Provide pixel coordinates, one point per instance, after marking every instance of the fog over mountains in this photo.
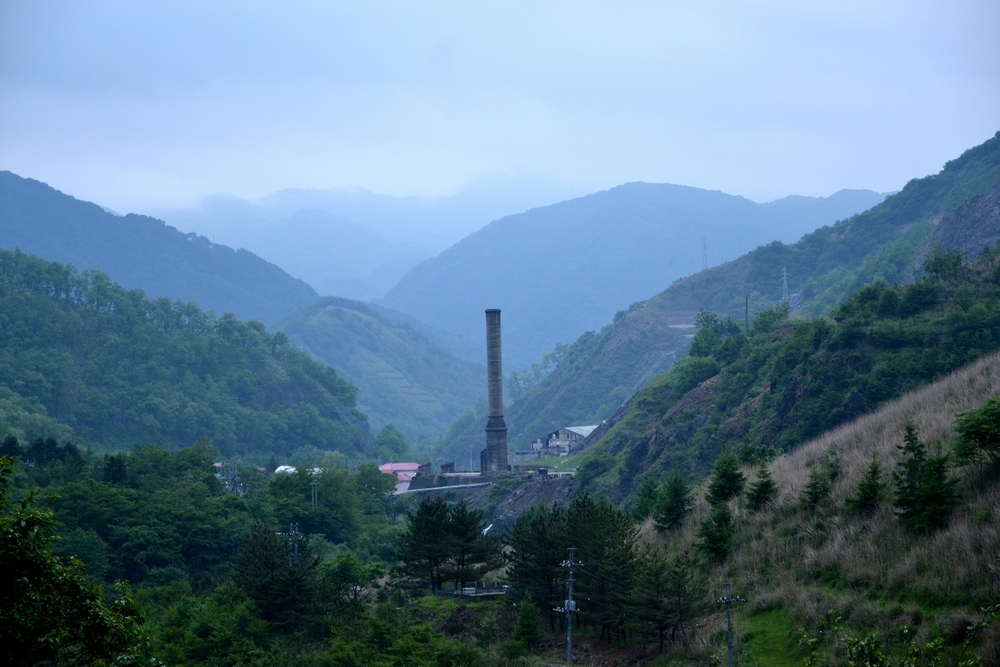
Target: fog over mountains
(142, 252)
(350, 242)
(557, 271)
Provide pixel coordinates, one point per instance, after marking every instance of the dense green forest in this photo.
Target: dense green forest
(765, 390)
(83, 358)
(402, 377)
(140, 252)
(235, 567)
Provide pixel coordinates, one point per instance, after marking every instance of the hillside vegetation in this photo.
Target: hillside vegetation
(82, 357)
(557, 271)
(768, 389)
(956, 208)
(583, 383)
(402, 378)
(803, 556)
(140, 252)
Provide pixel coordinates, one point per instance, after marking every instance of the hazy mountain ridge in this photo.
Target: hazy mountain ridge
(379, 237)
(402, 377)
(887, 242)
(144, 253)
(559, 270)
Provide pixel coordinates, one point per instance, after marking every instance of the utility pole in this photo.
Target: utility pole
(704, 253)
(746, 313)
(784, 284)
(312, 487)
(293, 542)
(570, 606)
(728, 600)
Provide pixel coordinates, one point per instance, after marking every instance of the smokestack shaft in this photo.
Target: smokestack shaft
(494, 363)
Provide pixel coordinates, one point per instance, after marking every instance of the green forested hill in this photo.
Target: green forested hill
(80, 352)
(588, 382)
(402, 378)
(139, 252)
(956, 208)
(557, 271)
(769, 389)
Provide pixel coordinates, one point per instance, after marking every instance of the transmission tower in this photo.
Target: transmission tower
(728, 600)
(704, 253)
(784, 284)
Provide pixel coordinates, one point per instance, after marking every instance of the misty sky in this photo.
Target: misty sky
(137, 105)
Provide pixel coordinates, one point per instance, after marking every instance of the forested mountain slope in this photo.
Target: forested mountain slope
(579, 384)
(80, 352)
(402, 378)
(957, 208)
(769, 389)
(144, 253)
(560, 270)
(960, 210)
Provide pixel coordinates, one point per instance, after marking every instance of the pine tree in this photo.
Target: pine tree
(727, 478)
(762, 491)
(425, 544)
(471, 554)
(924, 493)
(673, 505)
(648, 495)
(716, 533)
(871, 489)
(817, 489)
(283, 591)
(527, 631)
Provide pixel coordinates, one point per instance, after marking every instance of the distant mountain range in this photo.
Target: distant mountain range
(141, 252)
(958, 208)
(560, 270)
(955, 208)
(349, 242)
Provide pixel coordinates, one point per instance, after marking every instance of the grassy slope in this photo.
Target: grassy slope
(793, 565)
(402, 378)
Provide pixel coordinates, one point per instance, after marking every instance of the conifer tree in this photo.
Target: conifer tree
(925, 493)
(716, 533)
(673, 505)
(527, 631)
(871, 489)
(282, 590)
(817, 489)
(762, 491)
(645, 504)
(727, 479)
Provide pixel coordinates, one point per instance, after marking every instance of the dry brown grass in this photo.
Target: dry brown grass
(877, 575)
(780, 551)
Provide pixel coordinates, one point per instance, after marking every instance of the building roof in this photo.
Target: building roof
(583, 431)
(390, 468)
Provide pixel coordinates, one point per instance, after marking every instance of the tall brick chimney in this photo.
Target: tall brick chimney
(493, 459)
